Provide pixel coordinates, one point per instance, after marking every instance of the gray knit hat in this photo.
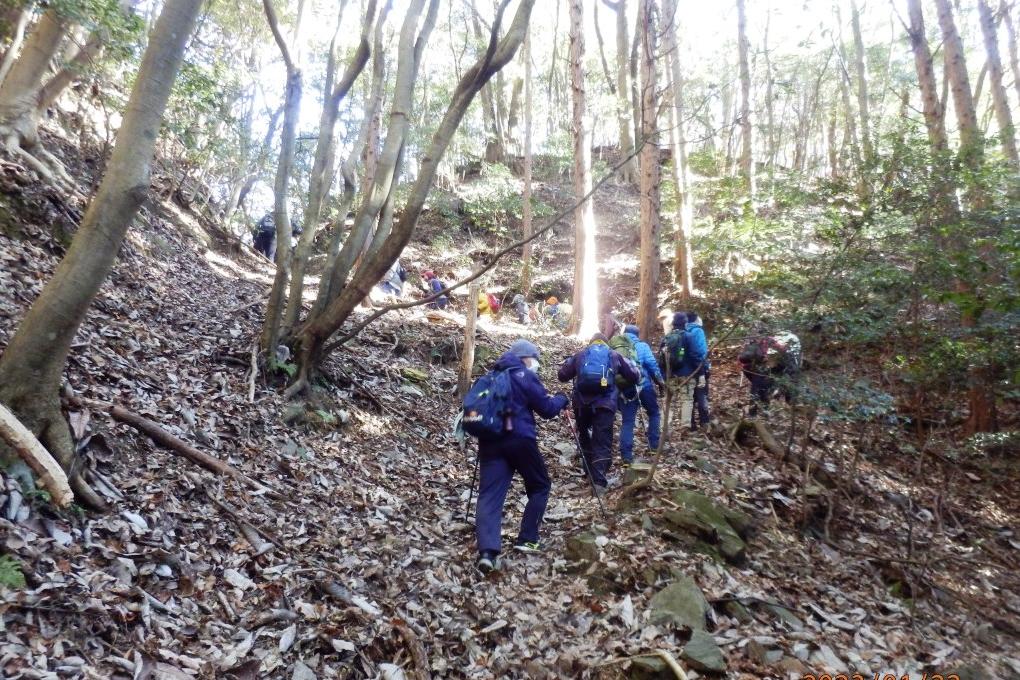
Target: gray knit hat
(524, 349)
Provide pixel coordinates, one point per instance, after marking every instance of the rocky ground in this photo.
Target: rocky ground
(354, 559)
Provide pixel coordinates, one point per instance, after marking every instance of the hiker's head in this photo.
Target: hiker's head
(633, 330)
(552, 300)
(428, 275)
(692, 317)
(527, 352)
(518, 299)
(679, 320)
(599, 337)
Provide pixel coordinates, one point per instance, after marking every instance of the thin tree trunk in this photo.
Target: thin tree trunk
(682, 260)
(20, 25)
(291, 110)
(628, 174)
(1014, 59)
(959, 80)
(862, 84)
(1007, 134)
(746, 152)
(526, 255)
(584, 319)
(32, 364)
(647, 316)
(770, 108)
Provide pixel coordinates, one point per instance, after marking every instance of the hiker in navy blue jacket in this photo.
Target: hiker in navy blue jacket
(646, 398)
(515, 451)
(595, 410)
(699, 347)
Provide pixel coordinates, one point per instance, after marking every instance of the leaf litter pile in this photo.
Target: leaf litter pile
(350, 556)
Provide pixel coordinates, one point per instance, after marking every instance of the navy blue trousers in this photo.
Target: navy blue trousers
(595, 430)
(628, 410)
(700, 412)
(498, 461)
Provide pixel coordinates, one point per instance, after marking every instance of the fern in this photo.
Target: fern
(10, 573)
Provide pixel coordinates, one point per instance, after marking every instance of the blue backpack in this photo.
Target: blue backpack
(596, 375)
(487, 405)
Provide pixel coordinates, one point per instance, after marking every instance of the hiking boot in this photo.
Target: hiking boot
(488, 562)
(529, 547)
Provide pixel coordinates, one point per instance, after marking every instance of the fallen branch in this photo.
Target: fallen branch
(249, 531)
(674, 666)
(28, 448)
(766, 437)
(174, 444)
(254, 372)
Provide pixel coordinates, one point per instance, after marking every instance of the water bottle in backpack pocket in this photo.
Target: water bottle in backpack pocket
(673, 348)
(596, 374)
(486, 406)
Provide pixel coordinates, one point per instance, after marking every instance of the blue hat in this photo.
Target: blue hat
(524, 349)
(631, 328)
(679, 320)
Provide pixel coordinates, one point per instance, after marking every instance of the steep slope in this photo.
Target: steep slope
(357, 561)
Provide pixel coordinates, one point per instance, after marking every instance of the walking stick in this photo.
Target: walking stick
(471, 493)
(584, 463)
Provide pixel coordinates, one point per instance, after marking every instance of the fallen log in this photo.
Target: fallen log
(29, 449)
(768, 440)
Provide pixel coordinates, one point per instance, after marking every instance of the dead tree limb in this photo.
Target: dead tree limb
(28, 448)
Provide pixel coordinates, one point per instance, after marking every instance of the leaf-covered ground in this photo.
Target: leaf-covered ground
(357, 562)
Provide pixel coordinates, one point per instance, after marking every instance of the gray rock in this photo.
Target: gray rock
(681, 603)
(703, 654)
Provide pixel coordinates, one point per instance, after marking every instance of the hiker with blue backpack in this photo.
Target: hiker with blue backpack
(499, 410)
(594, 370)
(684, 351)
(644, 397)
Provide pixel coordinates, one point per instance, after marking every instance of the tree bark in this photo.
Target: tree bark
(628, 175)
(31, 366)
(1014, 58)
(322, 166)
(584, 318)
(19, 25)
(500, 51)
(682, 261)
(959, 80)
(860, 62)
(527, 217)
(281, 214)
(647, 316)
(746, 151)
(467, 359)
(1007, 134)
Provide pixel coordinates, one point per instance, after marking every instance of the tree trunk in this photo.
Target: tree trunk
(500, 52)
(281, 215)
(31, 366)
(1014, 58)
(682, 261)
(862, 84)
(584, 319)
(746, 154)
(648, 307)
(18, 26)
(628, 173)
(963, 99)
(1003, 117)
(467, 357)
(526, 255)
(322, 166)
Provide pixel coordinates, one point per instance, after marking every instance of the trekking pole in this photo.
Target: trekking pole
(584, 464)
(471, 493)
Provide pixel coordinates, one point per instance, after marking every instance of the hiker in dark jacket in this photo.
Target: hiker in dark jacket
(515, 451)
(769, 361)
(699, 345)
(645, 398)
(595, 410)
(265, 235)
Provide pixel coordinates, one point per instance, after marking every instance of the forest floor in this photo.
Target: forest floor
(357, 560)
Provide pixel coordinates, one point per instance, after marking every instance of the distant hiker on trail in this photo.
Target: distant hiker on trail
(552, 308)
(265, 235)
(393, 281)
(683, 354)
(521, 309)
(697, 338)
(499, 409)
(488, 303)
(769, 361)
(594, 370)
(435, 285)
(645, 398)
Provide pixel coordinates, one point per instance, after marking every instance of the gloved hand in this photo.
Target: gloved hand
(564, 401)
